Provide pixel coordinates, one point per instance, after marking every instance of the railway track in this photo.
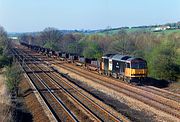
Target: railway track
(61, 96)
(52, 102)
(57, 84)
(167, 105)
(103, 114)
(151, 89)
(154, 90)
(161, 92)
(68, 100)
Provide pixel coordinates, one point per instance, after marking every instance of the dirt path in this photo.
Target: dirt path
(4, 100)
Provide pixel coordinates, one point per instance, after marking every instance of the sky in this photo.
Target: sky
(35, 15)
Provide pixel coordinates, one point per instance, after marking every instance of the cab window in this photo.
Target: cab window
(138, 65)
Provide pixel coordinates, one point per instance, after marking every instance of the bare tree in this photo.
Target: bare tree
(3, 36)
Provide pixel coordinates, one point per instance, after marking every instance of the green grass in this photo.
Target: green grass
(167, 32)
(131, 30)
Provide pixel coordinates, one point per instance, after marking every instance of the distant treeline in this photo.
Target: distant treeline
(172, 25)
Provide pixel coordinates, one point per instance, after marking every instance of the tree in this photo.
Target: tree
(122, 35)
(73, 48)
(3, 37)
(51, 36)
(25, 38)
(13, 77)
(51, 45)
(122, 46)
(4, 45)
(66, 41)
(5, 61)
(161, 61)
(92, 50)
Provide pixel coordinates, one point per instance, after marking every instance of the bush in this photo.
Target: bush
(1, 51)
(51, 45)
(5, 61)
(92, 50)
(161, 62)
(13, 77)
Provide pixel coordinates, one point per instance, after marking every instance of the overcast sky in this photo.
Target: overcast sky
(35, 15)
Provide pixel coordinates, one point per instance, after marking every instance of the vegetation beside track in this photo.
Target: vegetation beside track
(13, 77)
(12, 105)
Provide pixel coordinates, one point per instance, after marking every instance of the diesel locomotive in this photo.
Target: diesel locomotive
(124, 67)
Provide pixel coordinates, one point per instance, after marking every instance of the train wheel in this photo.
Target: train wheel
(99, 72)
(128, 80)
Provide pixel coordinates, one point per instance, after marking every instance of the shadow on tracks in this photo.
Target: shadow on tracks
(22, 115)
(156, 83)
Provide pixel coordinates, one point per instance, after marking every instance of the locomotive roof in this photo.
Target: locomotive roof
(108, 56)
(119, 57)
(134, 58)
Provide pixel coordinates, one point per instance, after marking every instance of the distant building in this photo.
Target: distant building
(13, 38)
(161, 28)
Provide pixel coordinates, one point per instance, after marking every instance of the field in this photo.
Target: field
(132, 30)
(167, 32)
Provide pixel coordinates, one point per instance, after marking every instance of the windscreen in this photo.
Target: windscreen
(138, 65)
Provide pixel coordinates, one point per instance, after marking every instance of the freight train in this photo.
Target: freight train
(127, 68)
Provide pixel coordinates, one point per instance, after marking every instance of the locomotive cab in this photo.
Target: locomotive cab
(136, 69)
